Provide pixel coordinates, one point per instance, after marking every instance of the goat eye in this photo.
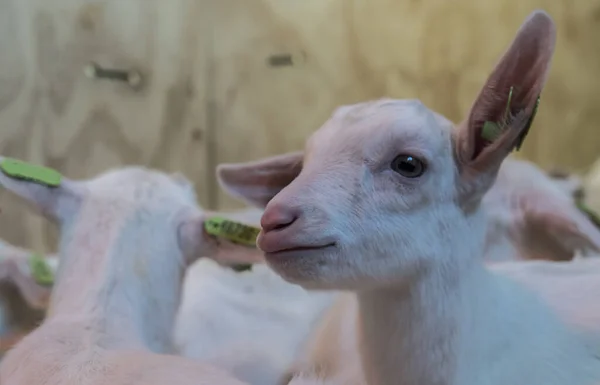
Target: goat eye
(408, 166)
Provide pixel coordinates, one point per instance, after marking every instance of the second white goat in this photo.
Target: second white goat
(126, 239)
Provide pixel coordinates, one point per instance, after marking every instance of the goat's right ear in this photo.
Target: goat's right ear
(504, 109)
(45, 189)
(257, 182)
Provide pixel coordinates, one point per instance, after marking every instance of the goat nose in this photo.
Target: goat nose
(278, 218)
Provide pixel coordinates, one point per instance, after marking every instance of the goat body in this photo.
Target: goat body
(126, 238)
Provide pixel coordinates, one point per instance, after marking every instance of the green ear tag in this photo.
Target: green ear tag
(241, 268)
(490, 131)
(233, 231)
(41, 272)
(15, 168)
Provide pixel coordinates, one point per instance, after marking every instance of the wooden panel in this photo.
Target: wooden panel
(50, 113)
(437, 51)
(263, 109)
(212, 95)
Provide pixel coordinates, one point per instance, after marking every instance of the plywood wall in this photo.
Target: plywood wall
(50, 113)
(210, 95)
(352, 50)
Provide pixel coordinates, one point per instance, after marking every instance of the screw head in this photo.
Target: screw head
(90, 71)
(134, 78)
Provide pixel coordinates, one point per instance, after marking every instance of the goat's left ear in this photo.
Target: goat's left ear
(45, 189)
(563, 226)
(196, 242)
(257, 182)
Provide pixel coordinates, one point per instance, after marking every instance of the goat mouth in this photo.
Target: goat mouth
(303, 248)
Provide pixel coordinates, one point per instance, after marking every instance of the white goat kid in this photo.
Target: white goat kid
(241, 313)
(530, 216)
(251, 323)
(225, 318)
(126, 238)
(385, 202)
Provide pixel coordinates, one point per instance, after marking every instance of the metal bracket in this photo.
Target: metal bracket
(132, 77)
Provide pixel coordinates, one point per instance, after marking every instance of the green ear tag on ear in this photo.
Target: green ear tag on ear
(490, 131)
(241, 268)
(15, 168)
(40, 270)
(233, 231)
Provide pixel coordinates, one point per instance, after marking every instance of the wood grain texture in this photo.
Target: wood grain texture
(51, 114)
(438, 51)
(211, 96)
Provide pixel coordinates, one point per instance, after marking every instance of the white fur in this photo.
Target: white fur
(228, 318)
(126, 238)
(570, 288)
(251, 323)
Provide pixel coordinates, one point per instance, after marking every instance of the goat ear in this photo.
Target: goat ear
(560, 225)
(257, 182)
(50, 193)
(502, 113)
(195, 242)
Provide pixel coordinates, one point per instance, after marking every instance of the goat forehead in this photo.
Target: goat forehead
(366, 129)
